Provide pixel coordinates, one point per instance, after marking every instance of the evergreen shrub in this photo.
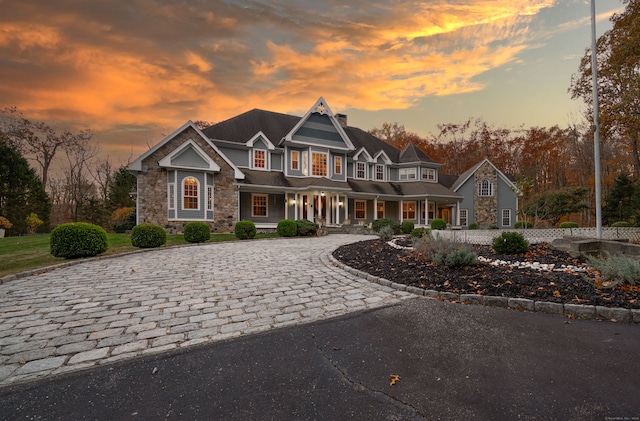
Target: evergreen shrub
(523, 224)
(420, 232)
(197, 232)
(245, 230)
(620, 224)
(473, 226)
(306, 227)
(438, 224)
(569, 224)
(378, 224)
(287, 228)
(445, 253)
(78, 239)
(387, 232)
(148, 236)
(407, 227)
(510, 243)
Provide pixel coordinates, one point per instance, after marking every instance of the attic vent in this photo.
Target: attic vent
(342, 119)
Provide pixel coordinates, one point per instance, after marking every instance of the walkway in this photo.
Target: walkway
(106, 310)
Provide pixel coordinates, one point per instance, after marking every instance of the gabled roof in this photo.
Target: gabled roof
(244, 127)
(372, 144)
(137, 164)
(469, 173)
(411, 153)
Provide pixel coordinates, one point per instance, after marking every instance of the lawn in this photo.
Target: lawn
(18, 254)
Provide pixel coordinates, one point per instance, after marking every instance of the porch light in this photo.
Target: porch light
(340, 203)
(322, 194)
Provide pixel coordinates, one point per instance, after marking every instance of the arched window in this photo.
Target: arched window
(190, 199)
(485, 188)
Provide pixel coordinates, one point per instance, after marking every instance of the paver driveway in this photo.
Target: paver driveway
(105, 310)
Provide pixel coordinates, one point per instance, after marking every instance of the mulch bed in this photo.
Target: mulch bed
(408, 267)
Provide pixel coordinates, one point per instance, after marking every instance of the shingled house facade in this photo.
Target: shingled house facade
(264, 166)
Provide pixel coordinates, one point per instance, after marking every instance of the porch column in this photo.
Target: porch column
(426, 211)
(401, 206)
(286, 206)
(337, 221)
(295, 207)
(458, 214)
(346, 207)
(375, 208)
(319, 210)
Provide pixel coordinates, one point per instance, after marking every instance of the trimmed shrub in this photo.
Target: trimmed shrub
(148, 236)
(287, 228)
(620, 224)
(438, 224)
(473, 226)
(421, 232)
(617, 268)
(245, 230)
(523, 224)
(446, 253)
(386, 233)
(407, 227)
(510, 243)
(493, 227)
(306, 227)
(378, 224)
(569, 224)
(197, 232)
(78, 239)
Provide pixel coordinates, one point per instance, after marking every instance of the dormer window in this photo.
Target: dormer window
(428, 174)
(295, 160)
(379, 172)
(259, 158)
(407, 173)
(485, 188)
(337, 161)
(361, 170)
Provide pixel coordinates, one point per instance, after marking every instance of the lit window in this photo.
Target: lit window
(360, 209)
(464, 217)
(361, 170)
(485, 188)
(259, 207)
(295, 160)
(428, 174)
(408, 210)
(337, 165)
(380, 172)
(380, 210)
(319, 164)
(190, 193)
(506, 217)
(407, 174)
(259, 158)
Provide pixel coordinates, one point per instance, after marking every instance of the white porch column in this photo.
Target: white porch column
(346, 207)
(337, 221)
(401, 206)
(426, 211)
(375, 208)
(286, 206)
(458, 214)
(295, 208)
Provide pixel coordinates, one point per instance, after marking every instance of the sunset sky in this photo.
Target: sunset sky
(135, 70)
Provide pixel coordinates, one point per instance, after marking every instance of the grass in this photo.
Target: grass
(19, 254)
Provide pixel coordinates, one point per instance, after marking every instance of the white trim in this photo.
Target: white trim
(355, 170)
(210, 202)
(291, 152)
(182, 196)
(355, 208)
(384, 209)
(459, 183)
(260, 135)
(266, 159)
(326, 160)
(428, 170)
(189, 144)
(266, 196)
(171, 196)
(367, 157)
(406, 170)
(335, 158)
(466, 217)
(384, 156)
(415, 210)
(384, 172)
(136, 165)
(481, 188)
(502, 217)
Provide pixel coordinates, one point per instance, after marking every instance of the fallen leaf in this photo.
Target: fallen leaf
(336, 348)
(614, 320)
(22, 361)
(133, 270)
(393, 379)
(556, 293)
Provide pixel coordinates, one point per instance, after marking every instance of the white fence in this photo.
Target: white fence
(535, 236)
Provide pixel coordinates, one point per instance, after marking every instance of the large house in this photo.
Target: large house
(265, 166)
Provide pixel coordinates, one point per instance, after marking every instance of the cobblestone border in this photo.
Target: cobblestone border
(578, 311)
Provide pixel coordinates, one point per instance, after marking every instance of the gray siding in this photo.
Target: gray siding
(276, 161)
(339, 177)
(467, 190)
(189, 158)
(318, 130)
(240, 157)
(506, 200)
(188, 213)
(275, 208)
(289, 171)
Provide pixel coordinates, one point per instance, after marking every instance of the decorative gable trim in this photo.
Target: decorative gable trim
(384, 156)
(260, 135)
(137, 164)
(366, 155)
(321, 107)
(470, 172)
(167, 161)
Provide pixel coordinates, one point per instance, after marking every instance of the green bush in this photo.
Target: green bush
(620, 224)
(473, 226)
(510, 243)
(493, 227)
(245, 230)
(386, 233)
(378, 224)
(438, 224)
(306, 227)
(420, 232)
(617, 268)
(407, 227)
(446, 253)
(148, 236)
(197, 232)
(287, 228)
(523, 224)
(569, 224)
(78, 239)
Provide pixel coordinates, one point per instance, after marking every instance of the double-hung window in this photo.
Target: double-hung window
(428, 174)
(361, 170)
(259, 158)
(464, 217)
(408, 210)
(506, 217)
(295, 160)
(485, 188)
(337, 165)
(319, 164)
(379, 172)
(259, 204)
(190, 199)
(407, 173)
(360, 209)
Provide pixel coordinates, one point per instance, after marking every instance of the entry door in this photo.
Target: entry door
(446, 215)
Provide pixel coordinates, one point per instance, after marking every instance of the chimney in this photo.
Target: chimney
(342, 119)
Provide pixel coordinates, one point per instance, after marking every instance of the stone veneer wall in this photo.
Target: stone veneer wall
(152, 188)
(486, 207)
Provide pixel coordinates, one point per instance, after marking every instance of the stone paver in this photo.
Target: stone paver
(105, 310)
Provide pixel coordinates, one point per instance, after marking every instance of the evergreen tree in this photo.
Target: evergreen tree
(619, 203)
(119, 195)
